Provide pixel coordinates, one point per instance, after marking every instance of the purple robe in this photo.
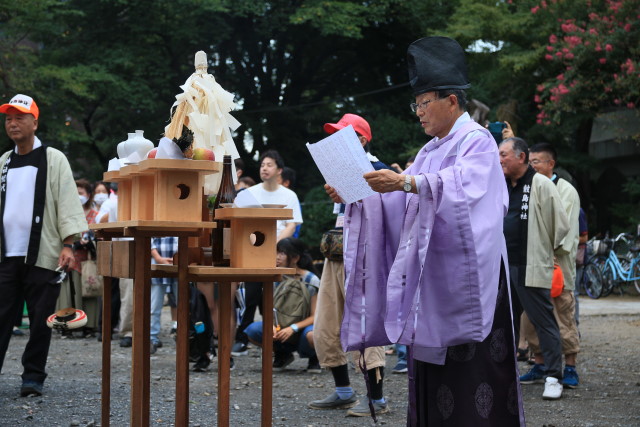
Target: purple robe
(422, 269)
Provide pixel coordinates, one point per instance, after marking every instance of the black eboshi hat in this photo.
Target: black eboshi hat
(436, 63)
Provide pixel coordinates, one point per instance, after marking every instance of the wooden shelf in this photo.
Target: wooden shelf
(202, 272)
(253, 213)
(150, 225)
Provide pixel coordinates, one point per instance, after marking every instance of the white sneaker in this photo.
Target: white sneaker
(552, 389)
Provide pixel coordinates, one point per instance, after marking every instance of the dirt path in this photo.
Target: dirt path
(609, 394)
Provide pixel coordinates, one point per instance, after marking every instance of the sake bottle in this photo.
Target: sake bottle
(221, 235)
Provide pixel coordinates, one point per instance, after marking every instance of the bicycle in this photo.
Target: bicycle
(591, 281)
(618, 270)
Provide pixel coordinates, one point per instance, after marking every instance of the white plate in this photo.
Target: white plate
(274, 206)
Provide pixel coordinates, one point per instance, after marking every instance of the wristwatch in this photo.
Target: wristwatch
(294, 327)
(407, 184)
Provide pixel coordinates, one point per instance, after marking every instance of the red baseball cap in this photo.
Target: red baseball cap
(359, 124)
(23, 103)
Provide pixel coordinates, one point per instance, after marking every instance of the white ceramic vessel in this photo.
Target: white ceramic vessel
(135, 144)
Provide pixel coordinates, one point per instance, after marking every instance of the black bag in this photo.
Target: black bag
(200, 330)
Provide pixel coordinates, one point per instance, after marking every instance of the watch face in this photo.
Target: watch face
(407, 187)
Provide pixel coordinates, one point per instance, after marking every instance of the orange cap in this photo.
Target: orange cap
(22, 103)
(359, 124)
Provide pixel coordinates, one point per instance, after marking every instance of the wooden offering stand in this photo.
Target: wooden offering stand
(160, 197)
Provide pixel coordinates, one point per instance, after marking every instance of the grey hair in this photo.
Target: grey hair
(459, 93)
(519, 146)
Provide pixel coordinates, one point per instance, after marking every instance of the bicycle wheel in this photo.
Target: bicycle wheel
(608, 282)
(636, 273)
(592, 281)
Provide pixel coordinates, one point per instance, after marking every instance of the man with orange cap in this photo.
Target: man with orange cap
(330, 309)
(40, 217)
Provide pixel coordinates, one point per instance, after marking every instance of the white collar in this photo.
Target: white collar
(371, 157)
(36, 144)
(464, 118)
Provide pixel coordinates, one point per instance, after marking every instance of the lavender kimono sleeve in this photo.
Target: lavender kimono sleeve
(372, 230)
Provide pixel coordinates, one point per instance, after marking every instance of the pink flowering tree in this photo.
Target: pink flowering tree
(596, 54)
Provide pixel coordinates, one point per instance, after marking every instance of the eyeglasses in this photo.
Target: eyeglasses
(536, 162)
(421, 106)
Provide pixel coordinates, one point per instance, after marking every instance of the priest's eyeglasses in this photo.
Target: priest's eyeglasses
(421, 106)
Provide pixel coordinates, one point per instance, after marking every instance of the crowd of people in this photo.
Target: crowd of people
(452, 262)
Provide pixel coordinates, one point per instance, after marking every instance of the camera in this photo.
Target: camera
(496, 130)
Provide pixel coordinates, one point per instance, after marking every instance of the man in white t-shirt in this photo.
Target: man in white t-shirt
(268, 192)
(271, 193)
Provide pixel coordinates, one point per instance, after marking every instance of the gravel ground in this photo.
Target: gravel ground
(609, 393)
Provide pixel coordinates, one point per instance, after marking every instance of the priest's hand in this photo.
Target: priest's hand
(384, 181)
(333, 194)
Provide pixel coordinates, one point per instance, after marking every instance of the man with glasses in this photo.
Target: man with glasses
(425, 260)
(40, 218)
(543, 157)
(535, 228)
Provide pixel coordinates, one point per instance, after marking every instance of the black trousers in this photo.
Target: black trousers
(20, 282)
(536, 302)
(253, 300)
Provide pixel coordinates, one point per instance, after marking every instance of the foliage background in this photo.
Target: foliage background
(103, 68)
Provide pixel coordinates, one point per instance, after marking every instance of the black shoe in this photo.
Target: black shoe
(17, 332)
(281, 361)
(232, 365)
(239, 349)
(159, 344)
(126, 342)
(31, 388)
(154, 347)
(202, 364)
(314, 366)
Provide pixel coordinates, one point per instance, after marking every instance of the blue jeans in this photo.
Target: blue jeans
(157, 299)
(402, 352)
(301, 344)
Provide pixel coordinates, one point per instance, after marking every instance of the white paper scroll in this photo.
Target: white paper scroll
(342, 162)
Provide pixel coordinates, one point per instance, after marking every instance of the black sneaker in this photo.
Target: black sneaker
(239, 349)
(232, 365)
(154, 347)
(31, 388)
(202, 364)
(126, 342)
(314, 366)
(281, 361)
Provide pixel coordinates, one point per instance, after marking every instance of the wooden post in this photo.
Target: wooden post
(267, 350)
(182, 339)
(106, 351)
(140, 371)
(224, 352)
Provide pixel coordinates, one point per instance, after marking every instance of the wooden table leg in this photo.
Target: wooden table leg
(106, 352)
(224, 352)
(267, 350)
(182, 339)
(140, 372)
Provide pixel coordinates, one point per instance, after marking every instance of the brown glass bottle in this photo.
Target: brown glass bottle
(220, 236)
